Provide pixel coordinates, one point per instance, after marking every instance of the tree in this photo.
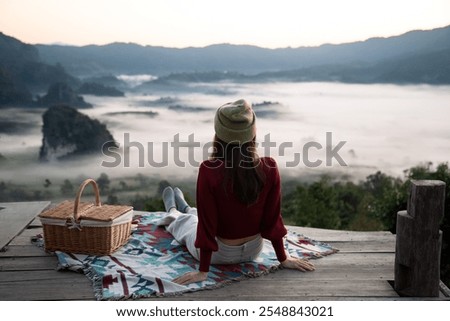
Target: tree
(388, 195)
(47, 183)
(103, 183)
(315, 205)
(67, 188)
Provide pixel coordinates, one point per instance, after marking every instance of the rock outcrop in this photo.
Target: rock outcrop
(62, 94)
(68, 133)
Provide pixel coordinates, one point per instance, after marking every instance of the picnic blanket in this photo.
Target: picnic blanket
(146, 265)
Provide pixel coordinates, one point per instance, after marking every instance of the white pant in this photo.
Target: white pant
(184, 230)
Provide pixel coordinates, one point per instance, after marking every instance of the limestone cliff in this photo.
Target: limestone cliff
(68, 133)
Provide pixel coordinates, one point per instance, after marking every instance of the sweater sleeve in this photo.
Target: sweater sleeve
(273, 227)
(207, 220)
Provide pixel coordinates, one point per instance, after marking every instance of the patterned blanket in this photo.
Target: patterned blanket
(147, 263)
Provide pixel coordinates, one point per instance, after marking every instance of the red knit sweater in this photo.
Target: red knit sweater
(222, 214)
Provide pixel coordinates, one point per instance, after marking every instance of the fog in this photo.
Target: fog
(385, 127)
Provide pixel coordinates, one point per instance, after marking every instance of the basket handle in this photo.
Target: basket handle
(80, 191)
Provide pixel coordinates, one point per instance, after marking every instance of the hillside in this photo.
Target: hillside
(122, 58)
(22, 72)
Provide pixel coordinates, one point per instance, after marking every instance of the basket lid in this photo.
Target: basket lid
(105, 213)
(64, 210)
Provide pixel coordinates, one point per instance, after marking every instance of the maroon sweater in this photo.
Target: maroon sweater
(222, 214)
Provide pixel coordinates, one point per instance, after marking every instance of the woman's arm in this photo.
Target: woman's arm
(273, 227)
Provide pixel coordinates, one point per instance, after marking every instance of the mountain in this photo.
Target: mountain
(414, 57)
(128, 58)
(23, 65)
(431, 68)
(22, 72)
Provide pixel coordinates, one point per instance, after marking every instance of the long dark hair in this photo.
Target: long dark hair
(242, 169)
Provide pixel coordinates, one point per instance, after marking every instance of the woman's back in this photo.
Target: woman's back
(228, 216)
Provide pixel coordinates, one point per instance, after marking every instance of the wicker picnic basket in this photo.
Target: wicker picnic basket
(76, 227)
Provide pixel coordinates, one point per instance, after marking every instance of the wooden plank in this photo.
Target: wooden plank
(24, 238)
(22, 276)
(300, 289)
(28, 263)
(365, 246)
(59, 289)
(36, 223)
(14, 217)
(333, 273)
(340, 235)
(359, 260)
(23, 250)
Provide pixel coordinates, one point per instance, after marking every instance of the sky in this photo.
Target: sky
(198, 23)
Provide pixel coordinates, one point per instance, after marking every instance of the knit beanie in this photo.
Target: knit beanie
(235, 122)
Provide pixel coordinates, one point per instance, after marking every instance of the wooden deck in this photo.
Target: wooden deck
(360, 271)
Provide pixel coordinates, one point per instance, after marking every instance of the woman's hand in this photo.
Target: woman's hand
(191, 277)
(298, 264)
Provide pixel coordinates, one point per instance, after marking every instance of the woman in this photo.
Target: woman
(238, 200)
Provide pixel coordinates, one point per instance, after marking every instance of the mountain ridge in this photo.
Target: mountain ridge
(418, 56)
(137, 59)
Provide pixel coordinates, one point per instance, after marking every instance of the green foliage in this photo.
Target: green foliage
(314, 205)
(103, 183)
(388, 195)
(147, 203)
(332, 205)
(370, 205)
(10, 192)
(155, 202)
(67, 188)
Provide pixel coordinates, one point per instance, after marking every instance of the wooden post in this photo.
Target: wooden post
(418, 246)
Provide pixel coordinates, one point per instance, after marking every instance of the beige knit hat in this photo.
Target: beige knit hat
(235, 122)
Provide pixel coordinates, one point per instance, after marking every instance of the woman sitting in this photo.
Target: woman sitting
(238, 200)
